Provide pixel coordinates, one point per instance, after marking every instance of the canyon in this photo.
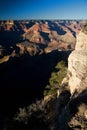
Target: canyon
(37, 36)
(29, 52)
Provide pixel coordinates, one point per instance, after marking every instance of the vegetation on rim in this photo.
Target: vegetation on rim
(56, 78)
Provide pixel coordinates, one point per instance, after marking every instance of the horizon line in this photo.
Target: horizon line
(40, 19)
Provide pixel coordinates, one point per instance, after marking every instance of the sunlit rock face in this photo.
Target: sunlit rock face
(77, 63)
(81, 43)
(73, 114)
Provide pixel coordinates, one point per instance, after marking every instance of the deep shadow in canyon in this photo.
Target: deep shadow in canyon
(23, 80)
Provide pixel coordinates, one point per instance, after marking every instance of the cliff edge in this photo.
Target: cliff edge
(72, 110)
(77, 64)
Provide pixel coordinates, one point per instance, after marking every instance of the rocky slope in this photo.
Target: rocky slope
(73, 113)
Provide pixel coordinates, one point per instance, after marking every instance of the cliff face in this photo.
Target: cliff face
(77, 63)
(73, 114)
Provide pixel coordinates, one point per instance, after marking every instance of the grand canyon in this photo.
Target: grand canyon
(29, 52)
(37, 36)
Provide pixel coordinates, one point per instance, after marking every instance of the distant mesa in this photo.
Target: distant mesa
(7, 25)
(10, 22)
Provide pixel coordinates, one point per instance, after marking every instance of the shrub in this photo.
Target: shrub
(35, 110)
(56, 78)
(35, 116)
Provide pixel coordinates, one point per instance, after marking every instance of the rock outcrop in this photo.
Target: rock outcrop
(72, 113)
(77, 63)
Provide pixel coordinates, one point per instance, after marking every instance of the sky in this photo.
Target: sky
(43, 9)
